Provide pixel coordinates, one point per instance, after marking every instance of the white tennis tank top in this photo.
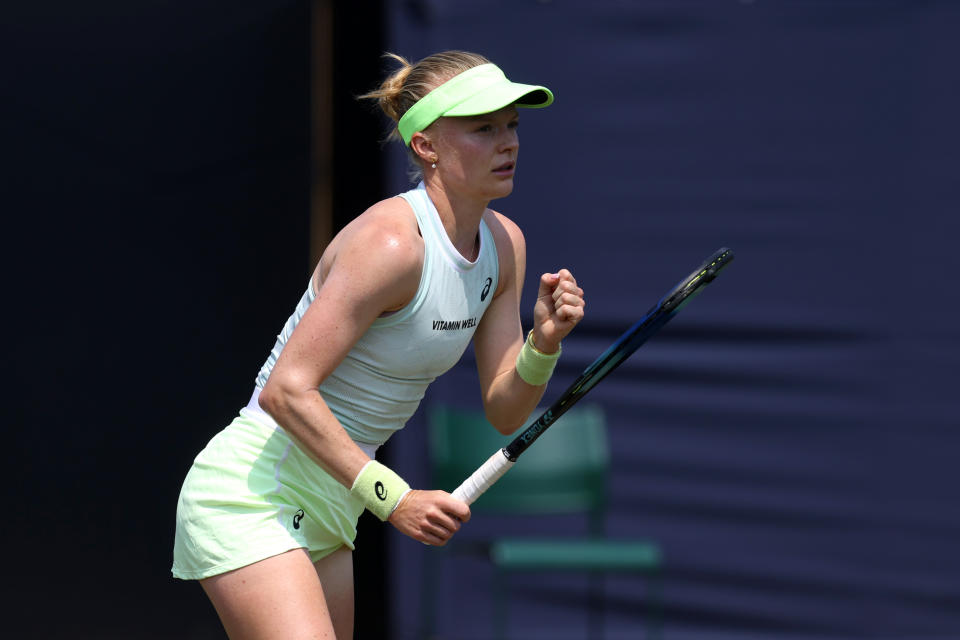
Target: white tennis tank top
(381, 382)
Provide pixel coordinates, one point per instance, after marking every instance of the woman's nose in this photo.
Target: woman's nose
(509, 140)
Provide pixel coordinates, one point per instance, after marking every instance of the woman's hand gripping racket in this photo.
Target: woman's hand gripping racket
(668, 306)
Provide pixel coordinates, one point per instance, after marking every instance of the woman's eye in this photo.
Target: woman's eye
(513, 124)
(484, 128)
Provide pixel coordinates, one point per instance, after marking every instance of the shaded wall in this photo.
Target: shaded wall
(790, 438)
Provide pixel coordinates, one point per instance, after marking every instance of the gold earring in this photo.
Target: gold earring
(435, 161)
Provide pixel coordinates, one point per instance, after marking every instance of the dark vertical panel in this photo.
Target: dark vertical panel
(157, 172)
(357, 170)
(321, 126)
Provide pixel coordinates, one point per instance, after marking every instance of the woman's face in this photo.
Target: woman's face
(477, 155)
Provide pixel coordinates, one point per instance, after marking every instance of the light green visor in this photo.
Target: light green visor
(482, 89)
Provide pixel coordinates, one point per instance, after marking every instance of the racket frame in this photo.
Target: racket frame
(631, 340)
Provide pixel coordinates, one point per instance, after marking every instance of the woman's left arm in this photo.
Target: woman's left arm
(508, 400)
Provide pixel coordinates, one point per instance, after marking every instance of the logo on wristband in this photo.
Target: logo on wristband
(380, 490)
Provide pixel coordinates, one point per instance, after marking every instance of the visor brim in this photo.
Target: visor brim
(503, 95)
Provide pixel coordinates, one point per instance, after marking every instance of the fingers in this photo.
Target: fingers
(457, 508)
(443, 519)
(547, 283)
(438, 531)
(568, 302)
(430, 516)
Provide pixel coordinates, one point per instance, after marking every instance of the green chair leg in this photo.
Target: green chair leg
(654, 608)
(595, 605)
(428, 593)
(500, 605)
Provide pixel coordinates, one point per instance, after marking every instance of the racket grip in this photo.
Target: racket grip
(484, 477)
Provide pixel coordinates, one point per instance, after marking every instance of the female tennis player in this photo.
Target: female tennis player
(267, 514)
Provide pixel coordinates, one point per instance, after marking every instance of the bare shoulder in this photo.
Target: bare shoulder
(511, 250)
(381, 248)
(388, 223)
(387, 230)
(506, 233)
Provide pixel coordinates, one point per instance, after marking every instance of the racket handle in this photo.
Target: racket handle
(484, 477)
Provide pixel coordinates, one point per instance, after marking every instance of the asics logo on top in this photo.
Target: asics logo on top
(486, 289)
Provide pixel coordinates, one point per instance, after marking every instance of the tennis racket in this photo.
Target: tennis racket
(661, 313)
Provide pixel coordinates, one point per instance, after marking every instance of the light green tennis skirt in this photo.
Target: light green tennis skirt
(252, 494)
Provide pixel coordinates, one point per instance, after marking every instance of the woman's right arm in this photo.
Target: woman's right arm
(374, 266)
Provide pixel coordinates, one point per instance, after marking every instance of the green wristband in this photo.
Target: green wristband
(379, 489)
(534, 366)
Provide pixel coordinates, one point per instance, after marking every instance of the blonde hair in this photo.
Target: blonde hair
(411, 82)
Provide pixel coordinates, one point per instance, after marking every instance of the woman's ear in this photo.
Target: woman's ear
(423, 147)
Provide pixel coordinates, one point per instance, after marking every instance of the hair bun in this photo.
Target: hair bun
(409, 83)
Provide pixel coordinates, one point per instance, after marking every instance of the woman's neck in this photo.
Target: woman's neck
(460, 216)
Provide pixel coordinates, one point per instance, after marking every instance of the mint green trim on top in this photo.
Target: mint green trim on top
(482, 89)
